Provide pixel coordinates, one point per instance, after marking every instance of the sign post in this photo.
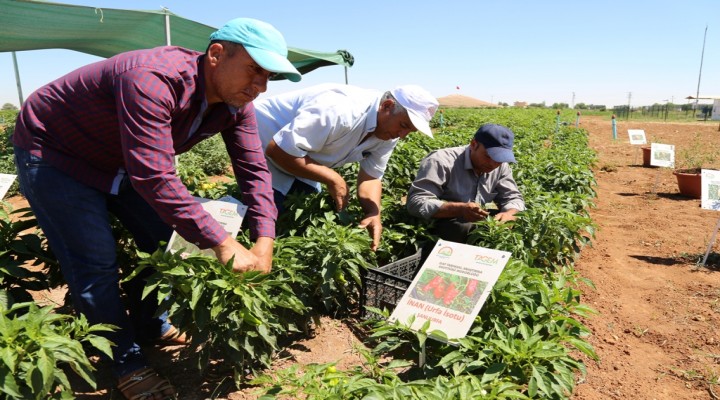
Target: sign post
(557, 122)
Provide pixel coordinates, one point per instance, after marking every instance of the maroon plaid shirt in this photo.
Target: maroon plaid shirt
(130, 115)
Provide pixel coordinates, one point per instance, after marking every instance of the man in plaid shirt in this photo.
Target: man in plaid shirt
(102, 140)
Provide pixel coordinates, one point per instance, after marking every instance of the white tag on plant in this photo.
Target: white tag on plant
(637, 136)
(662, 155)
(227, 211)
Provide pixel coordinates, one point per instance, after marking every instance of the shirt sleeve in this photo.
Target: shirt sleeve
(508, 195)
(376, 163)
(144, 102)
(252, 174)
(425, 192)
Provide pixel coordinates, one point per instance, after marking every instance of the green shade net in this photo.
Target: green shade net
(104, 32)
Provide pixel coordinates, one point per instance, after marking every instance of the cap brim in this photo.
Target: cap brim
(419, 123)
(274, 62)
(501, 154)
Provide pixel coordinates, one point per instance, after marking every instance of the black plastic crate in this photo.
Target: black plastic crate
(383, 287)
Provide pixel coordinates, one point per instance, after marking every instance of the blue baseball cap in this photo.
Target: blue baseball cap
(498, 141)
(263, 42)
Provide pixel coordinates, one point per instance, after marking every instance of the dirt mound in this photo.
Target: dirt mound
(460, 101)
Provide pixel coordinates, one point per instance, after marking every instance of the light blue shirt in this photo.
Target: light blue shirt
(327, 123)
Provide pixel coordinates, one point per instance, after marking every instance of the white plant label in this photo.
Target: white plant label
(637, 136)
(662, 155)
(710, 189)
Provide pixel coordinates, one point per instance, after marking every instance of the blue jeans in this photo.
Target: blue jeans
(75, 219)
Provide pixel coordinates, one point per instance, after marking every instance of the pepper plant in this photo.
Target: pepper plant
(36, 343)
(233, 316)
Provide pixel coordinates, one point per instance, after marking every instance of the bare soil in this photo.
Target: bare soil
(656, 331)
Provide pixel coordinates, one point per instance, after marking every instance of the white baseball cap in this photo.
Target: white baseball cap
(420, 106)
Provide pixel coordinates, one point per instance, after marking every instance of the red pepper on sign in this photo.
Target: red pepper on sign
(470, 288)
(450, 294)
(432, 284)
(439, 291)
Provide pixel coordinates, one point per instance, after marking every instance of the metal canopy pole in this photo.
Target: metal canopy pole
(168, 42)
(17, 78)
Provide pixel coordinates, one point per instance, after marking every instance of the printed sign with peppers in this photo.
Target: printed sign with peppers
(451, 287)
(227, 211)
(6, 180)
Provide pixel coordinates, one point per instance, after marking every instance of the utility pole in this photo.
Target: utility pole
(628, 113)
(702, 55)
(572, 103)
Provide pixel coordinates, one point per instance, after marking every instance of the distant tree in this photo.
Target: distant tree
(706, 110)
(686, 107)
(536, 105)
(503, 104)
(9, 107)
(581, 106)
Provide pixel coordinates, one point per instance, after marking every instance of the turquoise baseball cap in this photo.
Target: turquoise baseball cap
(265, 44)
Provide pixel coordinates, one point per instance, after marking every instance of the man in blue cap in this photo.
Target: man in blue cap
(458, 186)
(102, 140)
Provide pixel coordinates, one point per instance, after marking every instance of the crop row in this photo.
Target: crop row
(524, 343)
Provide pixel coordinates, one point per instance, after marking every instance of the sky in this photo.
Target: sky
(603, 52)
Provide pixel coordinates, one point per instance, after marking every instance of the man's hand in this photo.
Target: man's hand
(508, 215)
(339, 191)
(369, 195)
(472, 212)
(306, 167)
(263, 250)
(244, 261)
(374, 227)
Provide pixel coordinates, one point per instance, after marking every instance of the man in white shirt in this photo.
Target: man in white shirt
(306, 133)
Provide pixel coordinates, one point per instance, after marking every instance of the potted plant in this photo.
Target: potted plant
(646, 156)
(688, 165)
